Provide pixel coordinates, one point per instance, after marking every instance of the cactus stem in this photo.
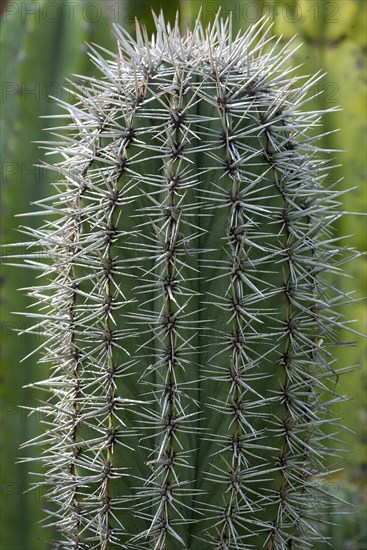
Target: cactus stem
(190, 299)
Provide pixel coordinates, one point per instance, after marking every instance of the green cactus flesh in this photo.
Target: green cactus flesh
(188, 299)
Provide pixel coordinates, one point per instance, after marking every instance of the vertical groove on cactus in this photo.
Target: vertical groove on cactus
(190, 299)
(100, 403)
(234, 472)
(163, 492)
(171, 416)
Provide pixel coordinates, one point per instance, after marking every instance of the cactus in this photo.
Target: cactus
(187, 299)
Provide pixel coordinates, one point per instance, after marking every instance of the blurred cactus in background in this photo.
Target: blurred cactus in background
(191, 189)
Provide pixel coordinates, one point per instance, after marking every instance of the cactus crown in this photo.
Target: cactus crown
(188, 298)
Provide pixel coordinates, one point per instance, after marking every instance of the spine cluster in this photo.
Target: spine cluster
(189, 304)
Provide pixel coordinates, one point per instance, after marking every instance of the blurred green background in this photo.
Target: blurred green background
(43, 42)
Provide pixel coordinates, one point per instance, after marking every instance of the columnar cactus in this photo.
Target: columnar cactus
(188, 299)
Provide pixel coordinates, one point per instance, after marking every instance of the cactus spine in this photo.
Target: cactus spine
(188, 299)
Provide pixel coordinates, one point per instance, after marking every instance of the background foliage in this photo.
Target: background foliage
(43, 42)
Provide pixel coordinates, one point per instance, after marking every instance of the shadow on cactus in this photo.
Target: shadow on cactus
(188, 298)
